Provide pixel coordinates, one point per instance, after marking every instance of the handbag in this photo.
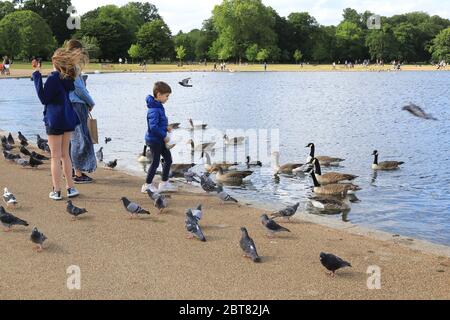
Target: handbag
(93, 130)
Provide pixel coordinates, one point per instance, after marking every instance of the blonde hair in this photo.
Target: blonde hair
(69, 62)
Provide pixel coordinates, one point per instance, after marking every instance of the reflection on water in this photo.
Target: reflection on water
(347, 115)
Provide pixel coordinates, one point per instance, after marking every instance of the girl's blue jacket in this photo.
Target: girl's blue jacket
(58, 111)
(157, 122)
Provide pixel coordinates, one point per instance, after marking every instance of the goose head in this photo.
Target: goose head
(375, 153)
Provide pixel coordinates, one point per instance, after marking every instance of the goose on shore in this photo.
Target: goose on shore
(233, 177)
(330, 177)
(145, 156)
(323, 160)
(385, 165)
(201, 126)
(335, 189)
(286, 168)
(178, 169)
(330, 203)
(233, 141)
(201, 147)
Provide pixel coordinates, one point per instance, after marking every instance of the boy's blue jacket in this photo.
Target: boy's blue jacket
(157, 122)
(58, 111)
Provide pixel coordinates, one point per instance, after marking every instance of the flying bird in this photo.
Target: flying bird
(185, 83)
(38, 238)
(417, 111)
(133, 208)
(8, 220)
(248, 246)
(192, 226)
(272, 226)
(332, 263)
(9, 198)
(74, 211)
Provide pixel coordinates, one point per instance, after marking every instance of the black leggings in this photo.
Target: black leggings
(159, 150)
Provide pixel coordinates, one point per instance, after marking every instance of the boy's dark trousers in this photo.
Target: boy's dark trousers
(159, 150)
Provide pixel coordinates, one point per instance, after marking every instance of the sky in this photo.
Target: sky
(189, 14)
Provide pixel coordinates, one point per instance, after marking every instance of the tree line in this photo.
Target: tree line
(238, 31)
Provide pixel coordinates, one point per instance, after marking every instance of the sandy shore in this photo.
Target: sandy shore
(151, 258)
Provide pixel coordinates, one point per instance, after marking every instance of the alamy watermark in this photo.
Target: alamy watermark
(74, 20)
(374, 22)
(74, 279)
(374, 279)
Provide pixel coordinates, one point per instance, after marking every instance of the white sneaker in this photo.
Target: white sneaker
(150, 187)
(55, 195)
(166, 187)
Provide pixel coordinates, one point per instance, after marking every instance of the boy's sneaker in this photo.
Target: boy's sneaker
(83, 179)
(150, 187)
(55, 195)
(166, 187)
(72, 193)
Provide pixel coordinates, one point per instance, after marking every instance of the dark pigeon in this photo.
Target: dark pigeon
(159, 200)
(25, 151)
(272, 226)
(23, 140)
(99, 154)
(207, 184)
(38, 238)
(11, 139)
(38, 156)
(193, 227)
(332, 262)
(8, 220)
(35, 163)
(74, 211)
(9, 156)
(112, 164)
(248, 246)
(107, 140)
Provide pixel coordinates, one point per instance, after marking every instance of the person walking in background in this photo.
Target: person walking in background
(7, 65)
(81, 149)
(59, 117)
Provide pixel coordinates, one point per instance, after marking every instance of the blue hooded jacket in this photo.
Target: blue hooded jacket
(157, 122)
(58, 111)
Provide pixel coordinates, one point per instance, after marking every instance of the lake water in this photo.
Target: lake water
(347, 115)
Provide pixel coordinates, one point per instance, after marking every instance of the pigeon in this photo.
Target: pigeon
(23, 140)
(9, 156)
(9, 198)
(248, 246)
(99, 154)
(23, 143)
(112, 164)
(11, 139)
(225, 197)
(7, 147)
(4, 140)
(332, 262)
(38, 238)
(287, 213)
(107, 140)
(198, 212)
(38, 156)
(8, 220)
(35, 163)
(193, 227)
(185, 83)
(207, 184)
(22, 162)
(133, 208)
(271, 225)
(160, 201)
(190, 177)
(74, 211)
(25, 151)
(417, 111)
(39, 140)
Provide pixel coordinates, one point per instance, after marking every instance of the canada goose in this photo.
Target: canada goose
(201, 147)
(145, 157)
(178, 169)
(233, 141)
(234, 177)
(201, 126)
(253, 163)
(285, 168)
(323, 160)
(330, 177)
(211, 167)
(330, 203)
(333, 189)
(385, 165)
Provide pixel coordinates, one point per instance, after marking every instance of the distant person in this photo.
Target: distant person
(215, 66)
(81, 149)
(7, 65)
(334, 65)
(157, 137)
(59, 117)
(265, 66)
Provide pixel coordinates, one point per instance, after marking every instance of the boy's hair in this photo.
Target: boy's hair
(161, 88)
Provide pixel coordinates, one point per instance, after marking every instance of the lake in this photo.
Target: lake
(347, 115)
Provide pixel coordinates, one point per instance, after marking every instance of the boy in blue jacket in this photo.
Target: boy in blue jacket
(156, 137)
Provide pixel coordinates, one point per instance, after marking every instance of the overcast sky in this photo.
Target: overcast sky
(188, 14)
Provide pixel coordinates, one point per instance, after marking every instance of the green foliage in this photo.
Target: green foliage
(92, 46)
(181, 53)
(155, 40)
(6, 7)
(440, 46)
(263, 55)
(298, 56)
(252, 52)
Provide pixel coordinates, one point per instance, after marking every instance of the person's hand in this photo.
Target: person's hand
(36, 65)
(90, 108)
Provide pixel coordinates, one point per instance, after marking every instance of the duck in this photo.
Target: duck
(201, 126)
(385, 165)
(145, 157)
(234, 177)
(334, 189)
(210, 167)
(250, 163)
(323, 160)
(330, 203)
(285, 168)
(233, 141)
(201, 147)
(330, 177)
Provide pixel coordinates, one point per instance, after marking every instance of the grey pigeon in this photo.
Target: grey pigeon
(9, 198)
(207, 184)
(133, 208)
(272, 226)
(11, 139)
(248, 246)
(193, 227)
(8, 220)
(159, 200)
(185, 83)
(332, 262)
(112, 164)
(6, 146)
(22, 162)
(23, 140)
(287, 212)
(3, 140)
(9, 156)
(99, 154)
(190, 177)
(74, 211)
(39, 140)
(25, 151)
(225, 197)
(38, 238)
(417, 111)
(198, 212)
(35, 163)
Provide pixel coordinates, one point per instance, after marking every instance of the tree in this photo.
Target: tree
(298, 56)
(6, 7)
(155, 40)
(135, 52)
(54, 12)
(349, 40)
(303, 26)
(252, 52)
(181, 53)
(147, 12)
(92, 46)
(205, 40)
(24, 34)
(440, 47)
(324, 44)
(382, 43)
(262, 55)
